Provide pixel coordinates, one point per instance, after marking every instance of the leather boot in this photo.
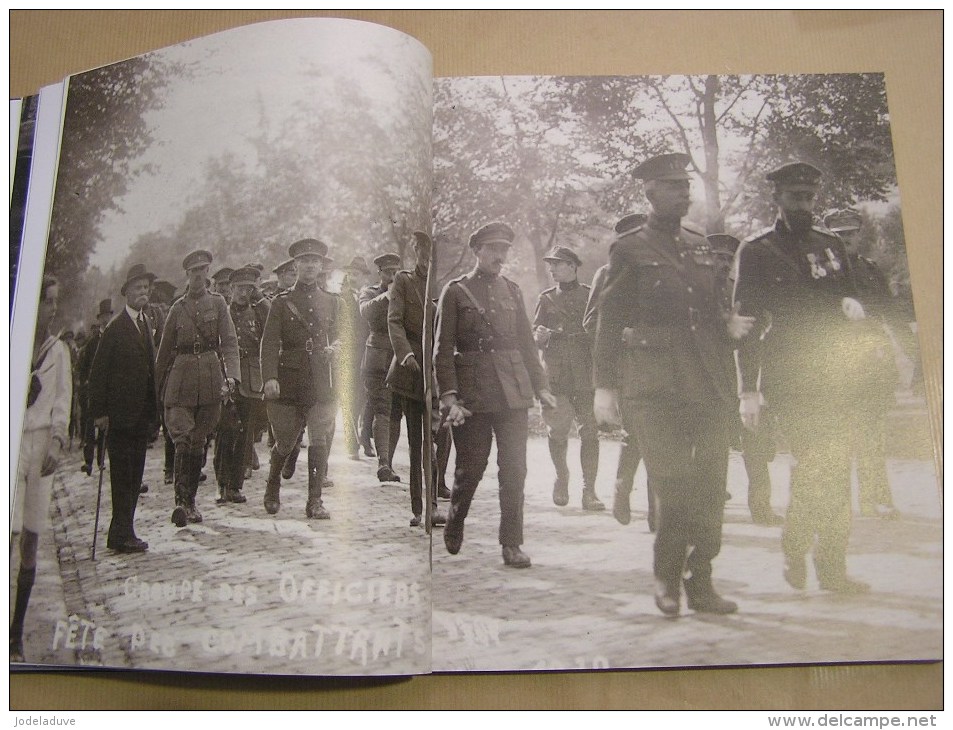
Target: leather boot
(621, 509)
(589, 460)
(703, 598)
(288, 468)
(180, 475)
(668, 597)
(557, 450)
(832, 576)
(273, 485)
(192, 513)
(380, 430)
(317, 464)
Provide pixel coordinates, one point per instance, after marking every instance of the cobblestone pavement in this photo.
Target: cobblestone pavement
(243, 591)
(588, 599)
(247, 592)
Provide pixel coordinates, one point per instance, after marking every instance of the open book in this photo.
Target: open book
(244, 142)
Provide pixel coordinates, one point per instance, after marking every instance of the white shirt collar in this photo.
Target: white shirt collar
(133, 314)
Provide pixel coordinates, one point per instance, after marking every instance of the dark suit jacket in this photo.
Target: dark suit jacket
(405, 323)
(122, 378)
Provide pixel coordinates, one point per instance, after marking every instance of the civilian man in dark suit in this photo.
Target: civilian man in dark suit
(122, 402)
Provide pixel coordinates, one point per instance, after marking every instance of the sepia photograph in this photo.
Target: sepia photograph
(677, 350)
(203, 482)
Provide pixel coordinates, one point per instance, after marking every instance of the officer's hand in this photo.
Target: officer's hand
(411, 364)
(227, 387)
(332, 349)
(605, 407)
(272, 390)
(853, 310)
(738, 325)
(457, 414)
(547, 399)
(542, 334)
(750, 409)
(102, 423)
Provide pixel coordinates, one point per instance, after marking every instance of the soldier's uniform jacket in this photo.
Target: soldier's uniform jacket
(488, 358)
(301, 323)
(590, 317)
(793, 284)
(567, 350)
(378, 352)
(661, 329)
(249, 324)
(197, 340)
(405, 324)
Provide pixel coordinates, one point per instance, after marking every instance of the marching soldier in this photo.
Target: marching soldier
(629, 456)
(378, 352)
(236, 439)
(803, 359)
(567, 356)
(298, 348)
(487, 370)
(198, 339)
(757, 447)
(405, 378)
(663, 343)
(84, 365)
(869, 416)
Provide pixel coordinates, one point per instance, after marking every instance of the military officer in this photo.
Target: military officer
(629, 456)
(298, 349)
(220, 283)
(197, 339)
(235, 440)
(757, 446)
(405, 377)
(868, 425)
(663, 342)
(487, 370)
(567, 356)
(285, 271)
(378, 352)
(803, 359)
(84, 365)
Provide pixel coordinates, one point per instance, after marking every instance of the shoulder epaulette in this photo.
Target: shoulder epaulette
(546, 291)
(629, 232)
(824, 231)
(692, 230)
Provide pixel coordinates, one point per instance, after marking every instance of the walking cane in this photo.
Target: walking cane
(427, 373)
(101, 463)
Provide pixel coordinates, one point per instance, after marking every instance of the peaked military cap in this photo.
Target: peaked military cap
(105, 307)
(795, 173)
(197, 258)
(492, 233)
(723, 242)
(843, 220)
(256, 266)
(222, 274)
(422, 238)
(269, 286)
(669, 166)
(630, 222)
(387, 259)
(563, 253)
(244, 275)
(283, 266)
(358, 264)
(309, 246)
(136, 272)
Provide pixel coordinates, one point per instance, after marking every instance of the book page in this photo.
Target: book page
(559, 160)
(238, 144)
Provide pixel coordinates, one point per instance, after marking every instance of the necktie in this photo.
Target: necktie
(141, 324)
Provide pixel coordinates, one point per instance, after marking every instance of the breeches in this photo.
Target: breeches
(287, 420)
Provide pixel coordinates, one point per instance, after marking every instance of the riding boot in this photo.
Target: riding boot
(198, 459)
(181, 474)
(317, 468)
(557, 450)
(25, 580)
(288, 468)
(273, 485)
(589, 459)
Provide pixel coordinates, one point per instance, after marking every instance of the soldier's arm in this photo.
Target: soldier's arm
(749, 296)
(166, 351)
(445, 342)
(611, 319)
(271, 341)
(591, 315)
(373, 306)
(228, 341)
(395, 320)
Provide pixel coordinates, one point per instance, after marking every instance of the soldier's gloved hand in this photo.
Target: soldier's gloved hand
(852, 309)
(547, 399)
(411, 364)
(750, 409)
(738, 325)
(542, 334)
(605, 407)
(272, 390)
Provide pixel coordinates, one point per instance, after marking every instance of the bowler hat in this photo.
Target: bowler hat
(105, 307)
(136, 271)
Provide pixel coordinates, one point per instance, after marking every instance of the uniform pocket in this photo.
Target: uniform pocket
(649, 364)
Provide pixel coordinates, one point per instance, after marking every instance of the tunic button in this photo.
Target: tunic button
(689, 290)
